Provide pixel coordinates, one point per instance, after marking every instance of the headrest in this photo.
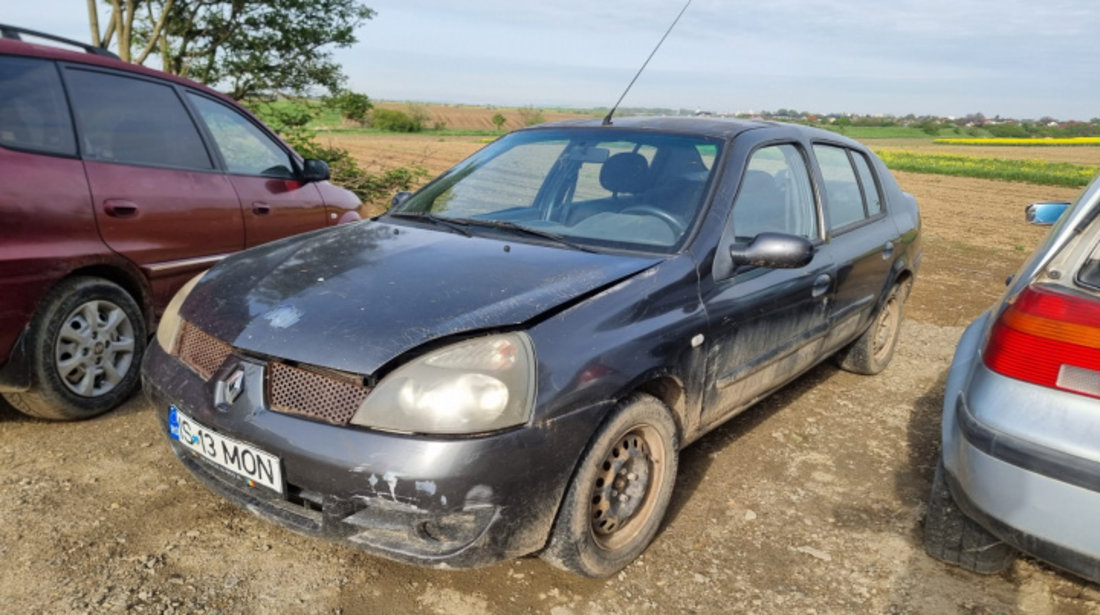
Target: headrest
(625, 172)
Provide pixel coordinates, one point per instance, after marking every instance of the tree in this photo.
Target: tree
(251, 48)
(498, 120)
(120, 27)
(352, 105)
(531, 116)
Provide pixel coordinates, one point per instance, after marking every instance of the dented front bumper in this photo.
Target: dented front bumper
(455, 502)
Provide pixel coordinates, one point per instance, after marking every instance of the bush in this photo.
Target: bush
(395, 121)
(352, 105)
(291, 122)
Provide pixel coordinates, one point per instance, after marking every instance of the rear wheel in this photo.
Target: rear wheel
(872, 351)
(86, 345)
(950, 536)
(618, 497)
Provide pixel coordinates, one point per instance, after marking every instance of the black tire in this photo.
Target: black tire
(619, 493)
(85, 345)
(950, 536)
(872, 351)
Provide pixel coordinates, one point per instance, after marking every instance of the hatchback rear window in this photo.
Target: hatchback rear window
(33, 113)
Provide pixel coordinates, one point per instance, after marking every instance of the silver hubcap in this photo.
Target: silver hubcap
(95, 348)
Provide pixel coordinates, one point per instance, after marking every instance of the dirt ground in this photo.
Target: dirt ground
(810, 503)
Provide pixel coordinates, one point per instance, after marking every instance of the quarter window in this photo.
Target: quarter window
(775, 195)
(33, 113)
(134, 121)
(870, 187)
(244, 147)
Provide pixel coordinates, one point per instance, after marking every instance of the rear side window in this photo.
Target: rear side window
(33, 113)
(244, 147)
(851, 192)
(134, 121)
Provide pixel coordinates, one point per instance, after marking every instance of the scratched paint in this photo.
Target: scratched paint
(283, 316)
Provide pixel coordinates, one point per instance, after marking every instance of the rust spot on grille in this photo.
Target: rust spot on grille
(314, 395)
(201, 351)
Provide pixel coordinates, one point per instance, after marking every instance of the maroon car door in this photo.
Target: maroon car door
(275, 202)
(159, 200)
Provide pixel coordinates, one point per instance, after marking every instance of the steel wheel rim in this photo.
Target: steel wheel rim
(624, 493)
(95, 348)
(885, 327)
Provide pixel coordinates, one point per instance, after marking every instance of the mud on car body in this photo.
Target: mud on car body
(510, 360)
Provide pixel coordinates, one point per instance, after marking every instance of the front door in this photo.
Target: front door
(766, 325)
(276, 203)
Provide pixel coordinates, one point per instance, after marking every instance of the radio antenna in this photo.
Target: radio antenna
(607, 118)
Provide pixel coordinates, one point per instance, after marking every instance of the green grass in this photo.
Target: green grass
(1029, 171)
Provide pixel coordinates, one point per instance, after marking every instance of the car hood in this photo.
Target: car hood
(356, 296)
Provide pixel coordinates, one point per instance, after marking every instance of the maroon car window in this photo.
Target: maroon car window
(33, 113)
(244, 147)
(134, 121)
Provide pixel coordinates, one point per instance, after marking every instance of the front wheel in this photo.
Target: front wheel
(86, 345)
(619, 494)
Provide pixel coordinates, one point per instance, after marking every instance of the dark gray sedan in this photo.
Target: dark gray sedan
(510, 360)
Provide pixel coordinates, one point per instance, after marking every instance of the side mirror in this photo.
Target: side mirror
(400, 198)
(314, 170)
(1045, 213)
(774, 251)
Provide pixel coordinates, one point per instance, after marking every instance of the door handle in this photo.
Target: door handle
(260, 208)
(119, 208)
(887, 250)
(822, 285)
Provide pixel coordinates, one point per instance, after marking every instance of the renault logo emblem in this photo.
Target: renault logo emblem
(228, 390)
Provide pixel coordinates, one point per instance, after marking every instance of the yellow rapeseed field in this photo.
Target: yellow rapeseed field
(1015, 141)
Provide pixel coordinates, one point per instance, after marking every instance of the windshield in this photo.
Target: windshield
(585, 187)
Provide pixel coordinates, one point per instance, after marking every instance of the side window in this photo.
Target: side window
(134, 121)
(871, 194)
(33, 113)
(843, 200)
(244, 147)
(775, 195)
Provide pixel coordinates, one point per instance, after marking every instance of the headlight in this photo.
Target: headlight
(478, 385)
(170, 322)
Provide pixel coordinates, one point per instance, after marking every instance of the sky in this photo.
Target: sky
(1013, 58)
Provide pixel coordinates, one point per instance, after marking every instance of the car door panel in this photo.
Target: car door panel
(275, 202)
(152, 181)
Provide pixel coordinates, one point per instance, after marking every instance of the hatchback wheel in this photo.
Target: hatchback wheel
(85, 345)
(950, 536)
(619, 494)
(872, 351)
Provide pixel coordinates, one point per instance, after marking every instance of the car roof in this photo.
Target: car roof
(24, 48)
(722, 128)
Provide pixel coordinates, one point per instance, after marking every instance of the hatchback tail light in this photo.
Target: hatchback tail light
(1048, 337)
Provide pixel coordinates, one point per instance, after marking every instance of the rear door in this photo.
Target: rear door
(765, 325)
(860, 238)
(275, 202)
(159, 200)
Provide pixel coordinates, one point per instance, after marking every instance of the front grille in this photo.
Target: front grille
(201, 351)
(314, 395)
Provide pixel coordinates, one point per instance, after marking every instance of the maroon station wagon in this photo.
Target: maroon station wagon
(118, 184)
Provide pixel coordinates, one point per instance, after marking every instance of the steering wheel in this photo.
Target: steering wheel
(649, 210)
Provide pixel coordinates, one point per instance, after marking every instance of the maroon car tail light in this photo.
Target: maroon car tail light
(1048, 337)
(201, 351)
(314, 395)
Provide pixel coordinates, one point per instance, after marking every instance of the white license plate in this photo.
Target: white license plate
(248, 462)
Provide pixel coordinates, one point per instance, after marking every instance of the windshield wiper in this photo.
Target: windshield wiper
(526, 230)
(458, 226)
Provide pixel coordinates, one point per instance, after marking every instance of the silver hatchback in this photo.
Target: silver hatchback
(1020, 467)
